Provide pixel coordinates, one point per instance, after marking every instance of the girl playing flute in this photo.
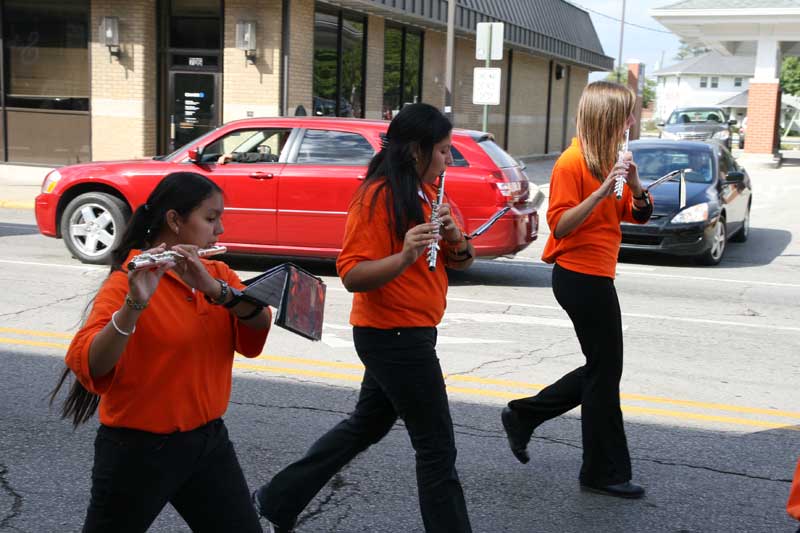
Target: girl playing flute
(584, 218)
(397, 304)
(156, 354)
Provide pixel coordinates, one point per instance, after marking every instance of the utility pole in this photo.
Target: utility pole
(621, 36)
(449, 61)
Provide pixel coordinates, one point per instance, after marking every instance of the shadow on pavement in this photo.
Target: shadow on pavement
(8, 229)
(698, 480)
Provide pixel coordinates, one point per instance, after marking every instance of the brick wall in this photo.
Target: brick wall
(433, 68)
(301, 55)
(373, 86)
(763, 106)
(252, 89)
(123, 91)
(528, 105)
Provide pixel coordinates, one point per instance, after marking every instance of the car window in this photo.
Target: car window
(498, 155)
(267, 142)
(327, 147)
(726, 161)
(653, 163)
(697, 116)
(458, 158)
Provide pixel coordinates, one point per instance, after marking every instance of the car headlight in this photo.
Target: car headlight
(695, 213)
(50, 181)
(722, 135)
(669, 135)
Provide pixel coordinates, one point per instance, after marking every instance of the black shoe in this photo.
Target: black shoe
(620, 490)
(273, 528)
(517, 436)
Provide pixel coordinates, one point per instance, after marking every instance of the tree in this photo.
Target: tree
(649, 92)
(790, 75)
(686, 51)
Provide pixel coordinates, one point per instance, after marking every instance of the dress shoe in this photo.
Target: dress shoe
(273, 528)
(620, 490)
(518, 437)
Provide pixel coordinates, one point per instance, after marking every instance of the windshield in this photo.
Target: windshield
(697, 116)
(171, 155)
(655, 162)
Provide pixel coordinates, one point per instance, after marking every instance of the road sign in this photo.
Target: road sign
(489, 40)
(486, 86)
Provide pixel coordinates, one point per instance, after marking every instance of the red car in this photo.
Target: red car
(290, 197)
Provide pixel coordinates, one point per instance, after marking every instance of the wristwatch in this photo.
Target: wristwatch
(236, 297)
(645, 196)
(223, 293)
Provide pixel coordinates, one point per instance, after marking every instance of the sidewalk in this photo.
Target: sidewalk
(20, 184)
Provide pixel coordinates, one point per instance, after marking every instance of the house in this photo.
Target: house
(710, 79)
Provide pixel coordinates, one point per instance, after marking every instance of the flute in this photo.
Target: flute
(620, 180)
(147, 260)
(433, 248)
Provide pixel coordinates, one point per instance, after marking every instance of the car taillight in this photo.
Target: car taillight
(511, 184)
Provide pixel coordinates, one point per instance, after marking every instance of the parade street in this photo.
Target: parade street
(710, 391)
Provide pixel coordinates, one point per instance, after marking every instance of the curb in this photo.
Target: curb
(9, 204)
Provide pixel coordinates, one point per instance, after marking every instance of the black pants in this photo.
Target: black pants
(136, 473)
(402, 378)
(592, 305)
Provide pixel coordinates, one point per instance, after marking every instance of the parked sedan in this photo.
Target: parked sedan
(718, 197)
(698, 124)
(287, 187)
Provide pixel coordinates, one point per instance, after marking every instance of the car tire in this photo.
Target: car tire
(92, 226)
(744, 232)
(741, 142)
(716, 250)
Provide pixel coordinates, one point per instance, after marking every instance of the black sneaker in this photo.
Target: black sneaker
(273, 528)
(518, 437)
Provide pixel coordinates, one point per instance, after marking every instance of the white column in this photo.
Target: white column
(768, 62)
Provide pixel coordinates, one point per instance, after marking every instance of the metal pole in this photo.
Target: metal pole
(449, 62)
(621, 35)
(487, 65)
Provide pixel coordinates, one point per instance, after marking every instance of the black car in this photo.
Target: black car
(717, 200)
(698, 124)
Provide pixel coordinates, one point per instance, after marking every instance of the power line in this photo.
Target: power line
(619, 20)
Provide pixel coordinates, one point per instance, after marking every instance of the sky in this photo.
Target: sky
(638, 43)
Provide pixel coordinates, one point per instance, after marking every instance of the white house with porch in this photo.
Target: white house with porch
(765, 29)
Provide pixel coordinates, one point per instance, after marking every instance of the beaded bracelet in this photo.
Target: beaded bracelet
(133, 304)
(116, 327)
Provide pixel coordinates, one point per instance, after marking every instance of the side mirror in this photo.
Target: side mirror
(735, 176)
(194, 154)
(732, 122)
(661, 124)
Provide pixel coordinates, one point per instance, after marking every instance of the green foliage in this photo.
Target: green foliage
(790, 75)
(686, 51)
(649, 92)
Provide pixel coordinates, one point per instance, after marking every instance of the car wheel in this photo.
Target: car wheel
(741, 142)
(713, 255)
(92, 226)
(744, 233)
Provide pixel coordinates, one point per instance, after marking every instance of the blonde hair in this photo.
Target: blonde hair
(602, 112)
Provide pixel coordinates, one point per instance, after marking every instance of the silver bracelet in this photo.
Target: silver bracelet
(116, 327)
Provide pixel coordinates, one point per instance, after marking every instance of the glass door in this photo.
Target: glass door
(194, 108)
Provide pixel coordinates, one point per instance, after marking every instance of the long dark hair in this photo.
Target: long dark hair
(181, 191)
(415, 129)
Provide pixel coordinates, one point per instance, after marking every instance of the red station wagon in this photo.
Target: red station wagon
(291, 198)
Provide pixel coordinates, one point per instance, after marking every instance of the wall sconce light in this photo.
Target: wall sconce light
(109, 35)
(246, 39)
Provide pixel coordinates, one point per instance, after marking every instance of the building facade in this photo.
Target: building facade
(110, 79)
(707, 80)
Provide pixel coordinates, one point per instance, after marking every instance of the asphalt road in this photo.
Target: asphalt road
(710, 392)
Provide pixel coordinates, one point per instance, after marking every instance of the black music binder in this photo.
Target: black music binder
(298, 296)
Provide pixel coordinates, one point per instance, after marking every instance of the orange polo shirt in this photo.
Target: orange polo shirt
(175, 372)
(592, 247)
(415, 298)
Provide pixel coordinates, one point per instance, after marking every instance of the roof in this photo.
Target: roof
(550, 28)
(740, 100)
(733, 4)
(712, 63)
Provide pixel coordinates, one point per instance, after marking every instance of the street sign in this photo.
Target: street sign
(489, 40)
(486, 86)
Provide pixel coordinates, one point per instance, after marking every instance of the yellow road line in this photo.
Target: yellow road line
(455, 378)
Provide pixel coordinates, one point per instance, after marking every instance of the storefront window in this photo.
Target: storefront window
(338, 64)
(46, 64)
(402, 57)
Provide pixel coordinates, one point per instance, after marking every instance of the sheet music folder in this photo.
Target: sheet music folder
(298, 295)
